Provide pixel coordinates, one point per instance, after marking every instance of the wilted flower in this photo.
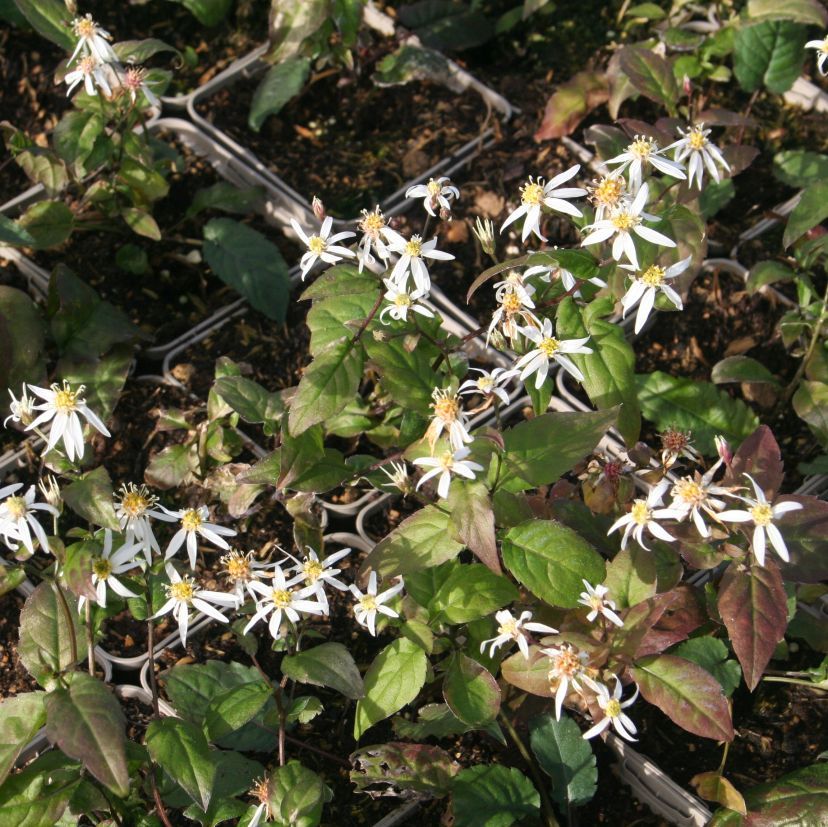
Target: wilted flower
(640, 154)
(548, 349)
(401, 301)
(484, 230)
(822, 48)
(61, 407)
(762, 514)
(134, 505)
(105, 567)
(595, 598)
(622, 221)
(676, 444)
(515, 302)
(398, 476)
(695, 145)
(370, 603)
(448, 416)
(93, 40)
(511, 628)
(434, 194)
(412, 255)
(613, 712)
(489, 383)
(193, 522)
(445, 465)
(50, 489)
(240, 570)
(568, 669)
(18, 518)
(534, 195)
(134, 81)
(22, 410)
(643, 516)
(278, 598)
(92, 73)
(607, 194)
(647, 284)
(322, 246)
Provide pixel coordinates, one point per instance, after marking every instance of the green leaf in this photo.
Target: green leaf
(651, 75)
(337, 317)
(768, 272)
(208, 12)
(232, 709)
(49, 223)
(609, 371)
(87, 723)
(712, 655)
(226, 197)
(246, 261)
(90, 497)
(716, 196)
(38, 795)
(393, 768)
(235, 775)
(297, 795)
(551, 560)
(249, 399)
(291, 23)
(49, 19)
(769, 53)
(741, 369)
(74, 137)
(141, 223)
(433, 721)
(181, 750)
(810, 211)
(565, 757)
(540, 450)
(140, 51)
(420, 541)
(686, 693)
(46, 633)
(342, 279)
(492, 795)
(409, 63)
(330, 665)
(281, 83)
(304, 709)
(327, 386)
(173, 466)
(11, 233)
(21, 716)
(631, 576)
(473, 520)
(694, 406)
(406, 374)
(798, 167)
(471, 691)
(21, 338)
(470, 592)
(810, 12)
(42, 166)
(393, 680)
(811, 404)
(445, 25)
(753, 609)
(146, 183)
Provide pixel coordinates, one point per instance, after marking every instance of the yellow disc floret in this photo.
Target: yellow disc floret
(640, 512)
(613, 708)
(16, 507)
(414, 247)
(66, 400)
(762, 514)
(182, 591)
(653, 276)
(191, 520)
(550, 346)
(282, 598)
(313, 570)
(317, 244)
(532, 193)
(102, 568)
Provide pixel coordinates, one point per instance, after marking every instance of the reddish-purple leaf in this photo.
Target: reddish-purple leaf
(474, 524)
(529, 675)
(806, 536)
(759, 456)
(689, 695)
(739, 157)
(571, 103)
(753, 608)
(396, 768)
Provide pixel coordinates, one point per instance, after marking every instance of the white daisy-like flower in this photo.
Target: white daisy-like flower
(643, 516)
(241, 570)
(489, 383)
(92, 73)
(93, 40)
(646, 285)
(695, 496)
(822, 48)
(184, 593)
(762, 514)
(607, 193)
(569, 282)
(105, 567)
(18, 518)
(318, 573)
(622, 221)
(514, 303)
(322, 246)
(695, 145)
(401, 301)
(448, 416)
(510, 628)
(22, 410)
(134, 506)
(535, 195)
(134, 81)
(445, 465)
(412, 255)
(374, 229)
(549, 349)
(642, 153)
(194, 522)
(61, 407)
(279, 597)
(370, 603)
(568, 670)
(435, 194)
(613, 708)
(595, 599)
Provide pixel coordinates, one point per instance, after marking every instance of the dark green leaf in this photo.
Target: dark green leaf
(21, 339)
(49, 18)
(471, 691)
(810, 211)
(49, 223)
(810, 12)
(651, 75)
(406, 374)
(409, 63)
(233, 708)
(811, 404)
(712, 655)
(297, 795)
(21, 716)
(492, 795)
(470, 592)
(90, 497)
(799, 168)
(330, 665)
(140, 51)
(281, 83)
(631, 576)
(741, 369)
(208, 12)
(38, 795)
(771, 53)
(249, 399)
(173, 466)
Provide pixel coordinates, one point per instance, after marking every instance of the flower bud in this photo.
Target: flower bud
(724, 450)
(688, 85)
(318, 208)
(51, 492)
(484, 230)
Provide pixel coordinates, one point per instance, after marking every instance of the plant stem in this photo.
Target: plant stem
(277, 695)
(90, 637)
(159, 804)
(540, 783)
(324, 753)
(368, 318)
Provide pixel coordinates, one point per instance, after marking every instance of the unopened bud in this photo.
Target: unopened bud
(51, 492)
(318, 208)
(724, 450)
(72, 8)
(484, 230)
(445, 215)
(688, 85)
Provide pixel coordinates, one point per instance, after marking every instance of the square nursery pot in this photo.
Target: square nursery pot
(288, 175)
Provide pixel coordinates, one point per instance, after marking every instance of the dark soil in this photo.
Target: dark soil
(349, 142)
(14, 677)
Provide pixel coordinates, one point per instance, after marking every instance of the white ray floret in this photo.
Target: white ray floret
(549, 349)
(21, 410)
(647, 285)
(641, 154)
(568, 671)
(595, 599)
(278, 598)
(18, 518)
(448, 416)
(369, 604)
(92, 40)
(435, 194)
(323, 246)
(401, 301)
(695, 497)
(92, 73)
(193, 525)
(109, 564)
(698, 151)
(412, 256)
(445, 465)
(613, 708)
(318, 573)
(374, 229)
(511, 628)
(489, 383)
(134, 506)
(822, 49)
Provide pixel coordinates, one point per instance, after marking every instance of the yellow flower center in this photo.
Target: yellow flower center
(84, 27)
(625, 221)
(485, 383)
(433, 187)
(403, 300)
(824, 47)
(696, 139)
(372, 222)
(447, 460)
(191, 520)
(642, 148)
(509, 627)
(596, 602)
(613, 708)
(368, 603)
(182, 591)
(66, 400)
(609, 190)
(653, 276)
(313, 570)
(282, 598)
(550, 346)
(566, 663)
(532, 193)
(102, 567)
(446, 408)
(236, 565)
(689, 491)
(17, 508)
(640, 512)
(134, 503)
(511, 303)
(414, 247)
(317, 244)
(87, 64)
(762, 514)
